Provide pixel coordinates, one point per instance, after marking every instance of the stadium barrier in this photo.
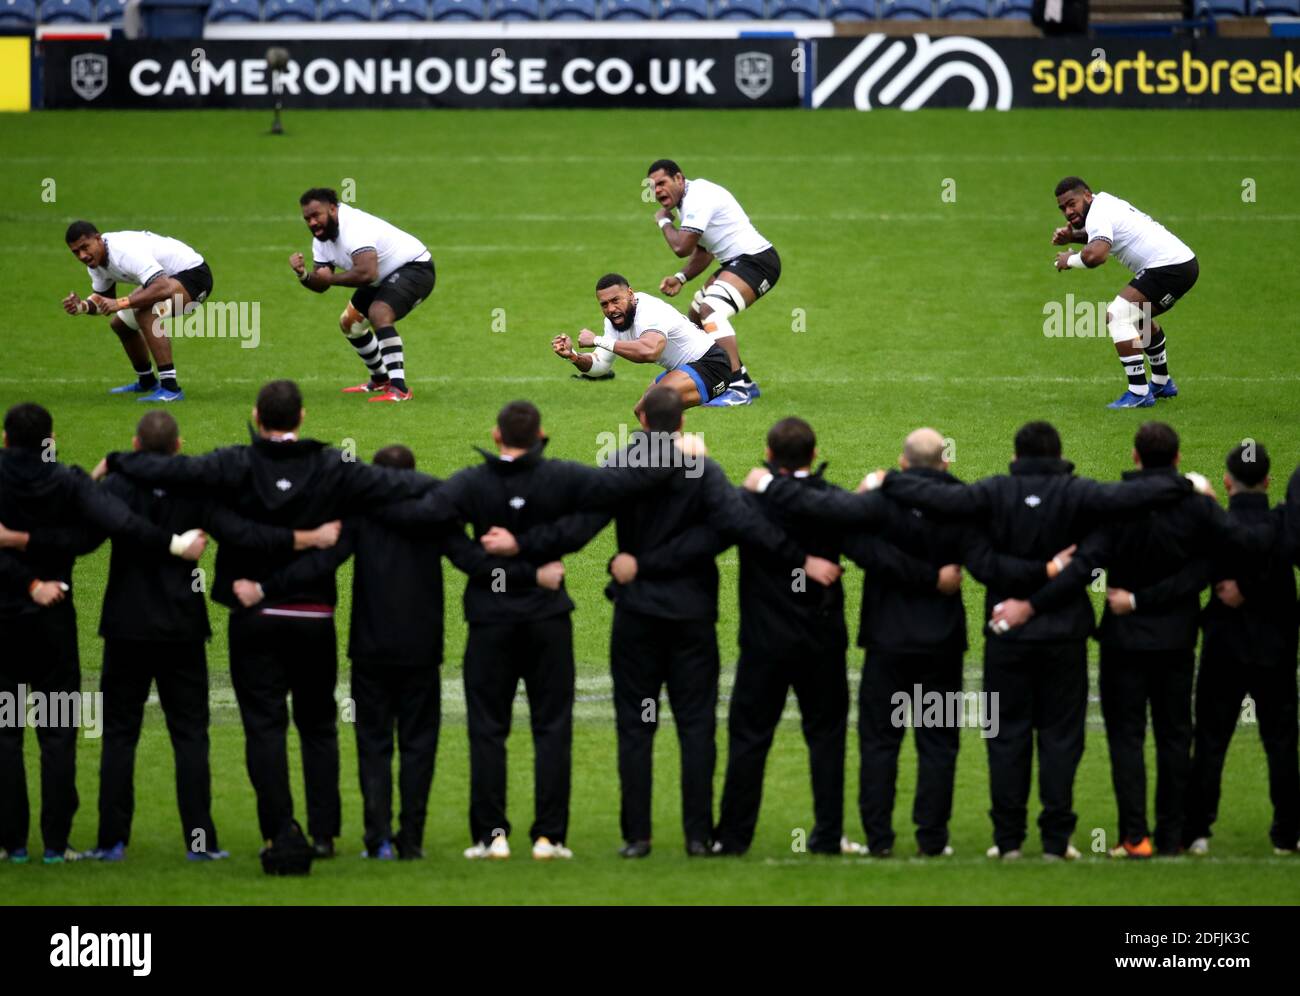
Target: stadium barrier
(875, 71)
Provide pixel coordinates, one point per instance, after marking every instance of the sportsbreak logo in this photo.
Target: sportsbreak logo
(907, 72)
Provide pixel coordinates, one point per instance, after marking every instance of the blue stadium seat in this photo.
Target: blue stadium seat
(458, 10)
(66, 12)
(290, 10)
(851, 10)
(17, 13)
(964, 10)
(1016, 10)
(906, 10)
(110, 11)
(569, 10)
(1221, 8)
(737, 10)
(345, 10)
(1275, 8)
(794, 10)
(683, 10)
(234, 11)
(402, 10)
(514, 10)
(627, 10)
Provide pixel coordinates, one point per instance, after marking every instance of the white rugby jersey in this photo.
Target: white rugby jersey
(725, 230)
(685, 342)
(1137, 240)
(138, 257)
(359, 230)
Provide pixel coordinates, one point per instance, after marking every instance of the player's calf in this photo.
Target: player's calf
(356, 327)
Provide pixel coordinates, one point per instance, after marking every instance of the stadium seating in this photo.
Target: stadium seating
(17, 13)
(737, 10)
(1275, 8)
(514, 10)
(851, 10)
(290, 10)
(402, 10)
(1020, 10)
(906, 10)
(458, 10)
(110, 11)
(67, 12)
(345, 10)
(964, 10)
(234, 11)
(795, 10)
(1221, 8)
(626, 10)
(569, 10)
(684, 10)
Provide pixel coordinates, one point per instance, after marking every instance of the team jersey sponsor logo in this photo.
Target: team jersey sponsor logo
(1033, 501)
(284, 484)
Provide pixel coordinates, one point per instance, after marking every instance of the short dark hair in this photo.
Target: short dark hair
(325, 195)
(1156, 444)
(612, 280)
(1038, 439)
(662, 409)
(520, 423)
(1248, 463)
(667, 165)
(1071, 183)
(792, 442)
(279, 405)
(397, 455)
(28, 426)
(158, 432)
(79, 229)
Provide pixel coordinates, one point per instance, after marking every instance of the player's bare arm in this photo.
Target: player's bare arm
(697, 264)
(1091, 255)
(646, 348)
(562, 346)
(318, 280)
(681, 241)
(75, 305)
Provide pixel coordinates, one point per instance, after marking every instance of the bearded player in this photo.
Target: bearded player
(714, 226)
(391, 270)
(643, 329)
(1164, 269)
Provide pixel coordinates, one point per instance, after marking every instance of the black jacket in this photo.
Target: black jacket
(56, 503)
(1140, 551)
(297, 484)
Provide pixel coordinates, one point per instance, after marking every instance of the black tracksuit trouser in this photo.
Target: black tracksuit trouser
(1042, 690)
(39, 652)
(1129, 681)
(763, 681)
(181, 671)
(497, 656)
(646, 654)
(884, 676)
(404, 699)
(1221, 685)
(271, 658)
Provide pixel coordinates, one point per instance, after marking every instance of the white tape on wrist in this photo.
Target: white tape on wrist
(1132, 601)
(181, 543)
(680, 277)
(605, 342)
(763, 482)
(1075, 261)
(665, 222)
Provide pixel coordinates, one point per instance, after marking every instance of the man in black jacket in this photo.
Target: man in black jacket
(1147, 650)
(1248, 647)
(38, 624)
(286, 646)
(396, 686)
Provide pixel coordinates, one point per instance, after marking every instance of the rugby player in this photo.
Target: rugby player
(168, 275)
(391, 270)
(1164, 269)
(644, 329)
(714, 226)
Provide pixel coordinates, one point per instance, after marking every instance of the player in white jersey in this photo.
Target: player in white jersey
(169, 278)
(643, 329)
(391, 270)
(713, 225)
(1164, 269)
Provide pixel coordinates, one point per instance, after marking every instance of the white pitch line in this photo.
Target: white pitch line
(887, 377)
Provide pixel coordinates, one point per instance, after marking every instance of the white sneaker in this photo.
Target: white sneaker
(1282, 852)
(851, 846)
(996, 852)
(544, 850)
(498, 850)
(1071, 854)
(1200, 846)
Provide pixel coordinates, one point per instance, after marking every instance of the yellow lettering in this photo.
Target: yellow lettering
(1202, 74)
(1072, 69)
(1167, 74)
(1270, 77)
(1042, 70)
(1242, 76)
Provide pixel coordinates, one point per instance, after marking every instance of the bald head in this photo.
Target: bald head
(923, 448)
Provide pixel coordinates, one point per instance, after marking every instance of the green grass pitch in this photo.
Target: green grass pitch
(897, 308)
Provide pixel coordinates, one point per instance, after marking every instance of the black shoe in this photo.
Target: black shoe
(723, 849)
(698, 849)
(635, 849)
(322, 848)
(409, 852)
